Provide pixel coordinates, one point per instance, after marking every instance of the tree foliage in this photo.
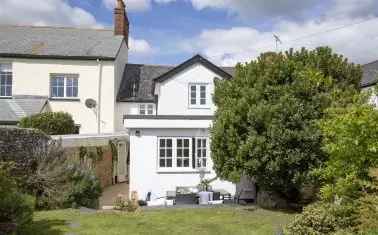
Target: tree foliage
(52, 123)
(265, 125)
(351, 141)
(16, 207)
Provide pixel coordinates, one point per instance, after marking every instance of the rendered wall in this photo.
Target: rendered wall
(144, 173)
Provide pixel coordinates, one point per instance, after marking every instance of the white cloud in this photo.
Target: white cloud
(57, 13)
(131, 5)
(239, 44)
(140, 47)
(43, 12)
(356, 36)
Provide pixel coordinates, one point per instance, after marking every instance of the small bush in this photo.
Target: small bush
(120, 203)
(323, 218)
(85, 188)
(126, 205)
(15, 207)
(52, 123)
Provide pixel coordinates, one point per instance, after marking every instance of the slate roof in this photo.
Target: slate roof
(58, 42)
(143, 77)
(370, 75)
(12, 110)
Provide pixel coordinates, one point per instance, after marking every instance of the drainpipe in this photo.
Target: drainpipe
(99, 96)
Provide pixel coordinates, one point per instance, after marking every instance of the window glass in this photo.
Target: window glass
(150, 109)
(183, 153)
(201, 153)
(202, 95)
(6, 80)
(193, 95)
(142, 109)
(198, 95)
(64, 85)
(165, 152)
(174, 152)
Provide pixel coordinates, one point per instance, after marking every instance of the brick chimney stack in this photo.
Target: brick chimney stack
(121, 22)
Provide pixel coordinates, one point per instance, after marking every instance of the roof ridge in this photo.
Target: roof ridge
(153, 65)
(372, 62)
(56, 27)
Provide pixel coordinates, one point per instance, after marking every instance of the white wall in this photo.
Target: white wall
(144, 174)
(174, 92)
(127, 108)
(32, 77)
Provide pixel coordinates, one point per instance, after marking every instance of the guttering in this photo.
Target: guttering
(99, 96)
(59, 57)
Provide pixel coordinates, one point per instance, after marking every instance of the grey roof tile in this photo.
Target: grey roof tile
(370, 74)
(143, 77)
(34, 41)
(12, 110)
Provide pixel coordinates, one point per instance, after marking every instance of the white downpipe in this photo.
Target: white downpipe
(99, 96)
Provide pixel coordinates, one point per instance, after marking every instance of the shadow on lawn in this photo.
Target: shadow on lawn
(45, 227)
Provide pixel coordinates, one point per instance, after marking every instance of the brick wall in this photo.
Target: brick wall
(103, 168)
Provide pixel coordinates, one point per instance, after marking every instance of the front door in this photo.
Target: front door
(122, 162)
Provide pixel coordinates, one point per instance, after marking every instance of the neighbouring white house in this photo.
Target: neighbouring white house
(164, 111)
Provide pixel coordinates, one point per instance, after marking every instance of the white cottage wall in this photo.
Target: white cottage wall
(144, 173)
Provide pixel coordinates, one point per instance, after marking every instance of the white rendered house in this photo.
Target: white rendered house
(58, 69)
(168, 112)
(165, 111)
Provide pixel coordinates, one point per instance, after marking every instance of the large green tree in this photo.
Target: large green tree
(265, 124)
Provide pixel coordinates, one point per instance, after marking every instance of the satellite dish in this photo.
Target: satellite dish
(90, 103)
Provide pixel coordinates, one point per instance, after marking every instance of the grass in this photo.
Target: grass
(219, 221)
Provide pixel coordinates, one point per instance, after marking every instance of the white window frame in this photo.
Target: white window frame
(65, 85)
(198, 96)
(9, 73)
(146, 109)
(174, 166)
(203, 151)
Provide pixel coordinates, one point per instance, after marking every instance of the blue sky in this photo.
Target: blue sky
(225, 31)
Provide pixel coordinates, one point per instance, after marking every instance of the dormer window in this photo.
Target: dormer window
(198, 94)
(6, 80)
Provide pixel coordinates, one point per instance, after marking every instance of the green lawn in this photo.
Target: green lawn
(240, 220)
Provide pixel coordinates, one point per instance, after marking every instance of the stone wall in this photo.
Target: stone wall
(20, 143)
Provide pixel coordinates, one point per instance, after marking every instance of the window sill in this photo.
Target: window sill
(6, 97)
(181, 171)
(199, 107)
(65, 99)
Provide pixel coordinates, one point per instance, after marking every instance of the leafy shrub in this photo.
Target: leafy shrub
(129, 205)
(52, 123)
(368, 213)
(323, 218)
(350, 139)
(120, 203)
(85, 188)
(15, 207)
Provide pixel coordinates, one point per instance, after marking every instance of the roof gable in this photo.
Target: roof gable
(194, 60)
